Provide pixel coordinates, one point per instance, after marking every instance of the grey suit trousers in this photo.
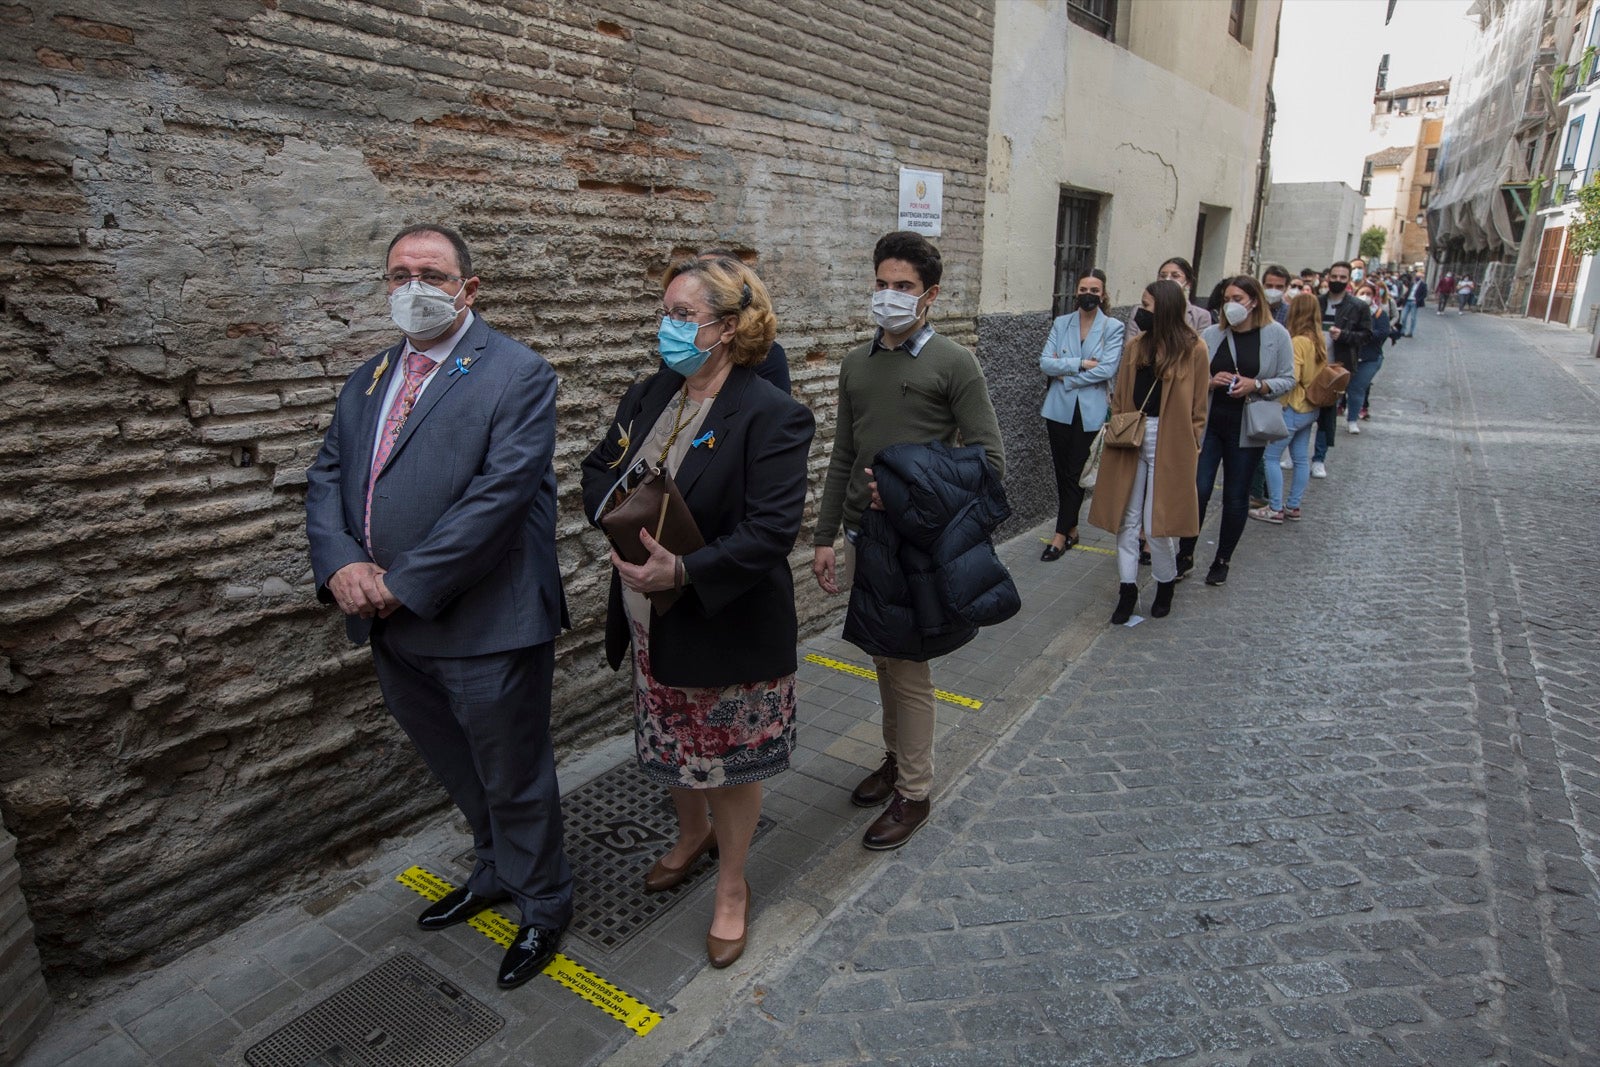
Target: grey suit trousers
(482, 725)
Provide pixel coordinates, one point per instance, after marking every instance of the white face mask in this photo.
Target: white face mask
(422, 311)
(1274, 296)
(1357, 274)
(1235, 313)
(895, 311)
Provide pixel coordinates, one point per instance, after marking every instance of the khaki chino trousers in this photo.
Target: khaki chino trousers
(905, 689)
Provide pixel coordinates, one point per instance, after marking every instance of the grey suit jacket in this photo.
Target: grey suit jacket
(463, 511)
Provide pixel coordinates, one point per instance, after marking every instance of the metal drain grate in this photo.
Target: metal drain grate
(402, 1014)
(616, 826)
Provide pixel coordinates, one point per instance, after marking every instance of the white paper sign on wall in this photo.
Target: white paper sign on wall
(921, 201)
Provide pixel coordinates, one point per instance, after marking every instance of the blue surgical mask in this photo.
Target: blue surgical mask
(678, 350)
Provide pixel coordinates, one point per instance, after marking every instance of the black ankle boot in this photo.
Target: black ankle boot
(1125, 601)
(1161, 606)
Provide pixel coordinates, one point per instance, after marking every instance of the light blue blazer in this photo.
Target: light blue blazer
(1071, 390)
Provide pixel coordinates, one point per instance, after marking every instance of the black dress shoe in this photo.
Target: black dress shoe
(530, 952)
(1052, 553)
(456, 906)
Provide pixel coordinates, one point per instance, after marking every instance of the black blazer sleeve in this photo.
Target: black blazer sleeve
(777, 443)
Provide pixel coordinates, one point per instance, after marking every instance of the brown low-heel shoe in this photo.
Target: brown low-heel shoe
(902, 818)
(660, 878)
(720, 950)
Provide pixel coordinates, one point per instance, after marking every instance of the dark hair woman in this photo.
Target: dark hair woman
(1251, 356)
(1080, 357)
(1177, 269)
(1151, 489)
(714, 685)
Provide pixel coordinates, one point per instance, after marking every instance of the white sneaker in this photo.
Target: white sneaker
(1319, 470)
(1353, 427)
(1287, 462)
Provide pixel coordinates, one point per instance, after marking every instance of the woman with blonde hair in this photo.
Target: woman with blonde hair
(1299, 413)
(714, 670)
(1151, 489)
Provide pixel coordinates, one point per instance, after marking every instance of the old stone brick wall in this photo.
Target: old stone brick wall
(24, 1001)
(196, 202)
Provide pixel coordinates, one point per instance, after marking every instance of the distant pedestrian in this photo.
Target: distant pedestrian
(1369, 358)
(1299, 414)
(1447, 285)
(1275, 283)
(1466, 294)
(1080, 358)
(1416, 296)
(1348, 324)
(1151, 490)
(1251, 356)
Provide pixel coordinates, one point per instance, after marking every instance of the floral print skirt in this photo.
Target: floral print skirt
(701, 738)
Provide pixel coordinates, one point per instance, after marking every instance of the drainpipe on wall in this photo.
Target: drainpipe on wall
(24, 1000)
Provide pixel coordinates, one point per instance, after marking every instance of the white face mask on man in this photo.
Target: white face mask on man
(422, 311)
(895, 311)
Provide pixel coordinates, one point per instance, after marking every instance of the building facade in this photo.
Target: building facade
(1565, 287)
(1120, 134)
(1311, 224)
(1397, 178)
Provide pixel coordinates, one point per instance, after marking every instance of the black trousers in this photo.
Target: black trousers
(1069, 451)
(1221, 449)
(482, 725)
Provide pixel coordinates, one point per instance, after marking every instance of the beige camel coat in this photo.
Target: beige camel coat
(1185, 397)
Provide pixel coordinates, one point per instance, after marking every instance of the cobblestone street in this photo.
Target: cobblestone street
(1342, 810)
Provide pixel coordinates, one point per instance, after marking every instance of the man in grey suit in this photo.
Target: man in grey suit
(431, 514)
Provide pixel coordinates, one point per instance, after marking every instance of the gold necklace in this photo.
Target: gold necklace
(678, 423)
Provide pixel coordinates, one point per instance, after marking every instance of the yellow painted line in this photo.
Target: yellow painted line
(862, 672)
(634, 1014)
(1081, 547)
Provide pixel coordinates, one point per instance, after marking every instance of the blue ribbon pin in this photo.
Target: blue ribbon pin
(463, 366)
(709, 439)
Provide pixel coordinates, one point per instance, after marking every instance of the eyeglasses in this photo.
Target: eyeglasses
(428, 277)
(680, 314)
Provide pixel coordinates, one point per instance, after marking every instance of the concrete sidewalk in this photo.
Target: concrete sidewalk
(233, 995)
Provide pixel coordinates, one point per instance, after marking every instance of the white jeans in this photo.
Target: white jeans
(1141, 502)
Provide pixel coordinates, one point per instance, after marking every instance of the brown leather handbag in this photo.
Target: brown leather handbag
(647, 498)
(1125, 429)
(1328, 386)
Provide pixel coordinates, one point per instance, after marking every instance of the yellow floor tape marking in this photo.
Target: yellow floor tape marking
(862, 672)
(635, 1015)
(1084, 547)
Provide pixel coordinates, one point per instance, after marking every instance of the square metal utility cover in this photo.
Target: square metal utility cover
(402, 1014)
(616, 826)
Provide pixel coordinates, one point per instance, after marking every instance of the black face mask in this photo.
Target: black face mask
(1088, 301)
(1337, 288)
(1144, 320)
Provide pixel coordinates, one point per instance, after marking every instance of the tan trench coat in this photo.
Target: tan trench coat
(1185, 398)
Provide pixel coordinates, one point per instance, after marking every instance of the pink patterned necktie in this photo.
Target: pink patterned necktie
(418, 367)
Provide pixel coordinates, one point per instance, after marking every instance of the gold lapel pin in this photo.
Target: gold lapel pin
(378, 375)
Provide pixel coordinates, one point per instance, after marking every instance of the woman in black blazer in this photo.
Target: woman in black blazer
(714, 692)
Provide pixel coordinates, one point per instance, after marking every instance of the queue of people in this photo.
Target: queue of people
(431, 517)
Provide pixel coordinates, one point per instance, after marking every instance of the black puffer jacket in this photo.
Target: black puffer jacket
(927, 575)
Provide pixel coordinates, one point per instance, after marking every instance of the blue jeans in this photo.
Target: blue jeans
(1360, 382)
(1301, 426)
(1408, 318)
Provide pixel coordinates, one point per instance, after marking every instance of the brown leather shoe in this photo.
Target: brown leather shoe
(722, 951)
(896, 825)
(661, 877)
(878, 786)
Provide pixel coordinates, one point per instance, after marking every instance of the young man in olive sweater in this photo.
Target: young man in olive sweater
(907, 385)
